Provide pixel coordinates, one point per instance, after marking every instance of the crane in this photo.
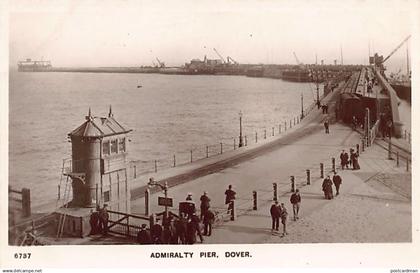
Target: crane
(297, 60)
(220, 56)
(395, 50)
(161, 64)
(229, 59)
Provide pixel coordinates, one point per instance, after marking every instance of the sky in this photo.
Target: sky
(134, 33)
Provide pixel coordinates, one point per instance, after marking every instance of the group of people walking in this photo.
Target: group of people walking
(352, 160)
(327, 186)
(278, 212)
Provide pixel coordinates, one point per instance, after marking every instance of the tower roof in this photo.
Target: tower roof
(99, 127)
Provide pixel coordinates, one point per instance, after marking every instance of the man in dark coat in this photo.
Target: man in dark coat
(181, 229)
(205, 204)
(94, 222)
(156, 232)
(327, 188)
(337, 182)
(191, 232)
(275, 212)
(143, 236)
(103, 219)
(327, 126)
(343, 160)
(208, 220)
(230, 196)
(295, 200)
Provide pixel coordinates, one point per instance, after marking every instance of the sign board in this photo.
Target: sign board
(162, 201)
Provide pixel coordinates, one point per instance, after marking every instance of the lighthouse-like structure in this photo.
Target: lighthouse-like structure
(98, 172)
(99, 163)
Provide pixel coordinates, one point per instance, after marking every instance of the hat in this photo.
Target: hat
(189, 194)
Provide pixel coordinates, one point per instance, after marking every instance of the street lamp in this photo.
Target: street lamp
(164, 187)
(302, 115)
(240, 130)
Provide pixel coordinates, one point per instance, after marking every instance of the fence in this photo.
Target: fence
(23, 200)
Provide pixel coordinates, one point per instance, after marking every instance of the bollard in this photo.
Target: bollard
(254, 198)
(405, 134)
(234, 143)
(398, 159)
(147, 202)
(265, 134)
(207, 151)
(26, 202)
(407, 165)
(135, 171)
(174, 161)
(292, 182)
(389, 149)
(191, 157)
(285, 126)
(152, 220)
(308, 177)
(155, 166)
(358, 148)
(221, 148)
(246, 141)
(333, 164)
(409, 137)
(363, 144)
(321, 166)
(256, 137)
(232, 211)
(273, 131)
(279, 129)
(274, 191)
(58, 193)
(290, 123)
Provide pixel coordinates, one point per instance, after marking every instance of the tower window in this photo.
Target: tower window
(105, 148)
(121, 144)
(114, 146)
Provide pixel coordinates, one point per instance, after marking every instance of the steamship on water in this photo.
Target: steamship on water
(30, 65)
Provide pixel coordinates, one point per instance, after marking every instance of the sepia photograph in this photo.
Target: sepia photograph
(239, 123)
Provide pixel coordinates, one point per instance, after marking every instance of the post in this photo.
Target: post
(221, 148)
(367, 126)
(155, 166)
(233, 211)
(389, 148)
(254, 198)
(147, 202)
(279, 129)
(240, 131)
(246, 141)
(174, 161)
(321, 166)
(96, 195)
(273, 131)
(26, 202)
(407, 164)
(285, 126)
(256, 137)
(290, 123)
(294, 120)
(152, 220)
(292, 182)
(165, 189)
(265, 133)
(135, 171)
(308, 177)
(409, 137)
(333, 164)
(191, 158)
(363, 144)
(405, 134)
(234, 143)
(398, 159)
(358, 148)
(59, 194)
(207, 151)
(275, 191)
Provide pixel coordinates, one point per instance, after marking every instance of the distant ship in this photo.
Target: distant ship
(401, 85)
(34, 66)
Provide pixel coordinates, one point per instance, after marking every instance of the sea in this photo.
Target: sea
(169, 115)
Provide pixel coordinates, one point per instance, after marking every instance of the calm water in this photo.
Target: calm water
(170, 114)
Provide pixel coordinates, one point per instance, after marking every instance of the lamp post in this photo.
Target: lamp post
(318, 103)
(301, 103)
(240, 130)
(164, 187)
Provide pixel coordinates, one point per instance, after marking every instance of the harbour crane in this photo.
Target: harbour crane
(229, 59)
(161, 64)
(297, 60)
(395, 50)
(220, 56)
